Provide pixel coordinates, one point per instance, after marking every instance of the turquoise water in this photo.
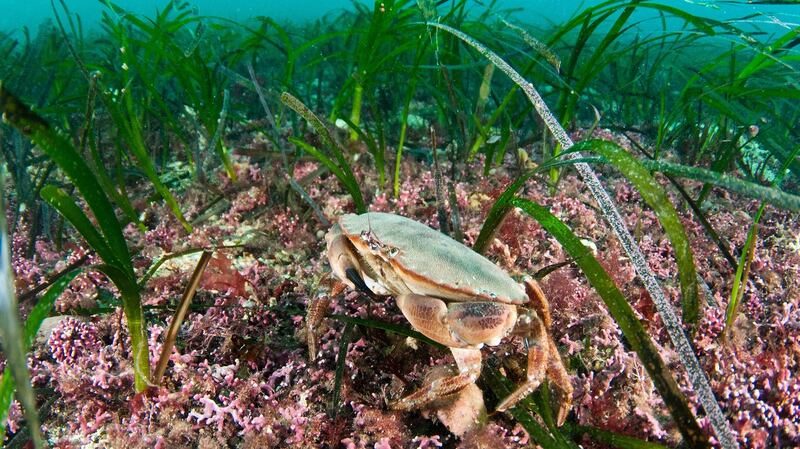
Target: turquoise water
(30, 14)
(189, 131)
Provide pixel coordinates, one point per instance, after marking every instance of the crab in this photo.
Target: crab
(450, 294)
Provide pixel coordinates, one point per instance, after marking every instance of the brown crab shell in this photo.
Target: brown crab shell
(429, 262)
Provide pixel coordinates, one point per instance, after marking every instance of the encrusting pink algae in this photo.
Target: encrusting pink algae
(240, 375)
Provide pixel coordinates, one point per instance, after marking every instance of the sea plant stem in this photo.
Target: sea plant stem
(275, 131)
(355, 113)
(11, 333)
(748, 252)
(178, 317)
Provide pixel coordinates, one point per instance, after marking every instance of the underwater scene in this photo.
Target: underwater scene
(400, 224)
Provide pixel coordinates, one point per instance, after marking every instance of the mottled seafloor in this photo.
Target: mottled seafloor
(241, 376)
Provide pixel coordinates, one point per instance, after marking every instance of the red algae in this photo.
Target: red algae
(240, 375)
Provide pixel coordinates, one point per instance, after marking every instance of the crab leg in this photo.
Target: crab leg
(464, 327)
(429, 316)
(469, 368)
(543, 355)
(560, 380)
(535, 336)
(316, 311)
(543, 359)
(556, 372)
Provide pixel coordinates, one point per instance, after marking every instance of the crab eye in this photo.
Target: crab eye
(393, 252)
(364, 235)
